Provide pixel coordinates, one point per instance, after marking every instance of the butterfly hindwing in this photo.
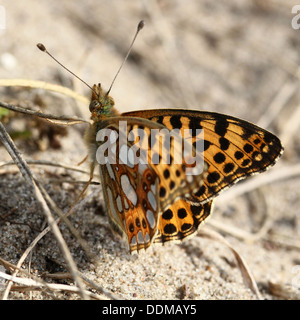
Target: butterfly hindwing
(138, 191)
(181, 220)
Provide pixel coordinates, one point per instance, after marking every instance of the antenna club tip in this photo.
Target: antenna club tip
(41, 47)
(141, 25)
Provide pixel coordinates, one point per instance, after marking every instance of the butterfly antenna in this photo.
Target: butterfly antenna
(43, 48)
(139, 28)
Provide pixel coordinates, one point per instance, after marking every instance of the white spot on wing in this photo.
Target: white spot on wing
(150, 218)
(110, 171)
(152, 200)
(147, 237)
(128, 189)
(140, 237)
(133, 241)
(119, 203)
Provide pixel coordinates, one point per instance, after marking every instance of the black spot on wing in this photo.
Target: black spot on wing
(175, 122)
(221, 127)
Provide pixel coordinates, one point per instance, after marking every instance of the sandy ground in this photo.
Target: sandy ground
(238, 57)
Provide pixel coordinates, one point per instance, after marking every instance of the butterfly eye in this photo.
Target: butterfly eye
(93, 105)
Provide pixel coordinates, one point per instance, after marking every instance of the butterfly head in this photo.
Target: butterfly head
(101, 105)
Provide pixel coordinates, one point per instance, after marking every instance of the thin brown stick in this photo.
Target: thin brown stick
(31, 285)
(47, 163)
(54, 164)
(62, 120)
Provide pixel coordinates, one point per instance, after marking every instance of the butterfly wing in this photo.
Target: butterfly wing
(136, 190)
(130, 214)
(233, 148)
(181, 220)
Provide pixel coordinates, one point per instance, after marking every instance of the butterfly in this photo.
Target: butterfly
(155, 191)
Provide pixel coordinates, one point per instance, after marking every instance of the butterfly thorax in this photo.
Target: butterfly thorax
(101, 105)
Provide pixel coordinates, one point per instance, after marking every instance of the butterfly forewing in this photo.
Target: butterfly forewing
(233, 148)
